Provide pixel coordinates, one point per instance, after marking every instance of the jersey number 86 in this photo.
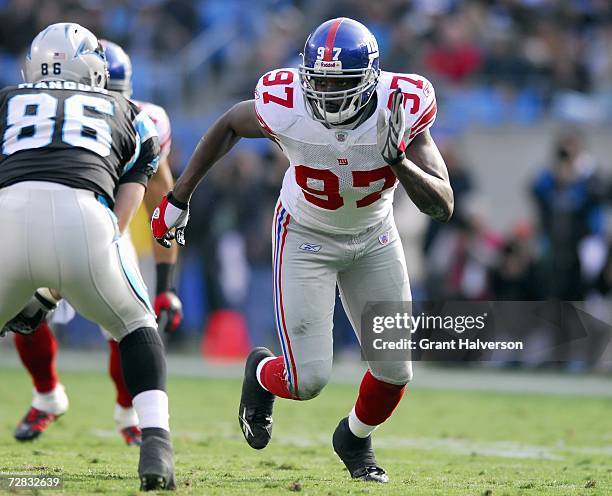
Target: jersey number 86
(31, 120)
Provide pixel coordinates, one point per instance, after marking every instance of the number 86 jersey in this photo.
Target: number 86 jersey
(337, 180)
(76, 135)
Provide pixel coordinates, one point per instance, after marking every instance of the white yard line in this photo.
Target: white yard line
(457, 446)
(426, 376)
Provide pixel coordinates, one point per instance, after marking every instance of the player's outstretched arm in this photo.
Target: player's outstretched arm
(419, 167)
(170, 217)
(159, 185)
(167, 305)
(238, 122)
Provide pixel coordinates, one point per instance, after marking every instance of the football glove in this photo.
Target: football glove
(170, 214)
(32, 315)
(391, 126)
(169, 311)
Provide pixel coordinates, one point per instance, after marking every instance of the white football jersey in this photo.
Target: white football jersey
(162, 123)
(337, 180)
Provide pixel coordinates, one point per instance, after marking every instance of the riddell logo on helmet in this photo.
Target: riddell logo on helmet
(334, 65)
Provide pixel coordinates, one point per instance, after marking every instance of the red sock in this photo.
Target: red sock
(377, 399)
(124, 398)
(273, 377)
(37, 352)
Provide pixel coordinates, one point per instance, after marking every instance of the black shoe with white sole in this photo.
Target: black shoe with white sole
(357, 454)
(156, 466)
(255, 412)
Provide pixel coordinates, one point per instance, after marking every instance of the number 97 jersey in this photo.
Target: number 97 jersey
(337, 180)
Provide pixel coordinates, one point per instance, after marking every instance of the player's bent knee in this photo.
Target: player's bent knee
(312, 380)
(119, 329)
(395, 373)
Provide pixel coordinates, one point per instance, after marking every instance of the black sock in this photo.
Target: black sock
(143, 361)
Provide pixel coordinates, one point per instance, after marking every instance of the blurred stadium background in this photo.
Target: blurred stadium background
(524, 93)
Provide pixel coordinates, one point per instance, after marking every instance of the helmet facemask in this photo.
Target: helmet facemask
(337, 106)
(98, 74)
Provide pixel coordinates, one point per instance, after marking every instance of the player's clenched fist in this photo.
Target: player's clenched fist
(170, 214)
(391, 127)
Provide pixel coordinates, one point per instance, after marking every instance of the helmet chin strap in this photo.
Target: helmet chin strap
(360, 117)
(336, 115)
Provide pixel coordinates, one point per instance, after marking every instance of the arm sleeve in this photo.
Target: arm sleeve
(275, 96)
(145, 160)
(428, 114)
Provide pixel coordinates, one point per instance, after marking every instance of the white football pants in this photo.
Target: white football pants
(59, 237)
(307, 265)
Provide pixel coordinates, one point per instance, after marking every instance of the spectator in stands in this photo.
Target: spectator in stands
(568, 197)
(454, 56)
(515, 276)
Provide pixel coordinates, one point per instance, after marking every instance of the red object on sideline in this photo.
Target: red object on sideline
(225, 338)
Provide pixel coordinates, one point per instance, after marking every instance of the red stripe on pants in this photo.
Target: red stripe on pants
(282, 309)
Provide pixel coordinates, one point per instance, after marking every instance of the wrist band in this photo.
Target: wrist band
(165, 276)
(178, 204)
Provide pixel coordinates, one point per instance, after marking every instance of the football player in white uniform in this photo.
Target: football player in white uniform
(338, 119)
(38, 350)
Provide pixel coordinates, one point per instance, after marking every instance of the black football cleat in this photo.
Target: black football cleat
(357, 454)
(255, 412)
(156, 466)
(33, 424)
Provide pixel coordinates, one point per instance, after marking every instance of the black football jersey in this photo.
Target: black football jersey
(76, 135)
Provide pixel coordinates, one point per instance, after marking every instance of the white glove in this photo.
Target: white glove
(390, 128)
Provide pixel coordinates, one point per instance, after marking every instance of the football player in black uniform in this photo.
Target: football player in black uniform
(70, 151)
(34, 339)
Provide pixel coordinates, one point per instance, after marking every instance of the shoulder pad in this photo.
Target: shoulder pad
(145, 127)
(419, 100)
(276, 96)
(160, 119)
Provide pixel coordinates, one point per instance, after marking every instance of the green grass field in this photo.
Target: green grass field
(438, 442)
